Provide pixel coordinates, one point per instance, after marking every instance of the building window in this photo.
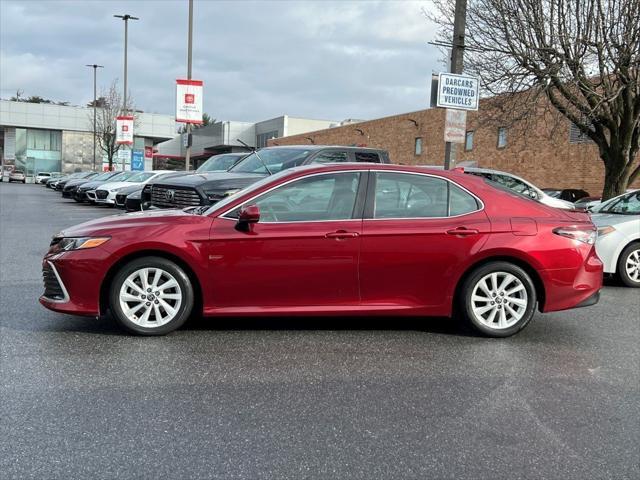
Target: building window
(502, 137)
(418, 146)
(577, 136)
(468, 141)
(261, 140)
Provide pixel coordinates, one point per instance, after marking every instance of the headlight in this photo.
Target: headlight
(115, 189)
(607, 229)
(65, 244)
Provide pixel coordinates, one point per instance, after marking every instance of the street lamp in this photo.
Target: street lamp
(126, 18)
(187, 156)
(95, 68)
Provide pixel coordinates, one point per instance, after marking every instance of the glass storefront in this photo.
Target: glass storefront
(38, 150)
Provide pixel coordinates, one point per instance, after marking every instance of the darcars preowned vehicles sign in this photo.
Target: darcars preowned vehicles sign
(189, 101)
(458, 91)
(124, 130)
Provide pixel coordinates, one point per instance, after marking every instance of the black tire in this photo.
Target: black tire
(466, 305)
(186, 289)
(623, 275)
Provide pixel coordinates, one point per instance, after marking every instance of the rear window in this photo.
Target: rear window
(367, 157)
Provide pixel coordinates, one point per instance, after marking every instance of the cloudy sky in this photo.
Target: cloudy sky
(258, 59)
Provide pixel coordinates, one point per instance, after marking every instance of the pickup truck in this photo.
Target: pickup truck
(209, 188)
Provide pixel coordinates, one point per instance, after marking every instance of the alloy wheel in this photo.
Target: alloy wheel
(632, 265)
(499, 300)
(150, 297)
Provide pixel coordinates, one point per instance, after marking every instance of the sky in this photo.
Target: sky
(329, 60)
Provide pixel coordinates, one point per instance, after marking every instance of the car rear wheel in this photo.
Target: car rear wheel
(499, 299)
(629, 265)
(151, 296)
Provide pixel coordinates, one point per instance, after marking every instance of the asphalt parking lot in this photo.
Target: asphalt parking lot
(304, 398)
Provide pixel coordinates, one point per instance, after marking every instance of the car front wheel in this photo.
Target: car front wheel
(499, 299)
(151, 296)
(629, 265)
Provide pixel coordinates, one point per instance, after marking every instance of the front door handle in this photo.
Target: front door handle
(341, 234)
(462, 231)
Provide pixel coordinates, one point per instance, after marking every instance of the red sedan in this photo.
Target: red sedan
(341, 239)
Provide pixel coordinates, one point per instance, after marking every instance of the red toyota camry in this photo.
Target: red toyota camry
(342, 239)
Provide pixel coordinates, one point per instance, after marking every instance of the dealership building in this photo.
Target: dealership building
(40, 137)
(229, 136)
(548, 150)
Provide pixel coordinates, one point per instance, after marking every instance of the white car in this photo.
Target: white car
(516, 184)
(106, 193)
(618, 243)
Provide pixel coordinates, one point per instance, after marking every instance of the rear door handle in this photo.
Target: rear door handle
(463, 231)
(342, 234)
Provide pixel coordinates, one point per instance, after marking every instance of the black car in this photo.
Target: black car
(70, 186)
(208, 188)
(123, 193)
(79, 194)
(133, 201)
(75, 176)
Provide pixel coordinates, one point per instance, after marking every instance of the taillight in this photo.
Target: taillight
(586, 234)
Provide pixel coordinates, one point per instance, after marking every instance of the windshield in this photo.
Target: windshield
(122, 176)
(104, 176)
(628, 204)
(254, 186)
(277, 159)
(140, 177)
(219, 163)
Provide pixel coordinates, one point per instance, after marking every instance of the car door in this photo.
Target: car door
(303, 252)
(417, 232)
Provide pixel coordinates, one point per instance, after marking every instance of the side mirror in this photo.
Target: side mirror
(248, 216)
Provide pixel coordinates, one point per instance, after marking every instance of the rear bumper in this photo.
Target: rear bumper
(572, 288)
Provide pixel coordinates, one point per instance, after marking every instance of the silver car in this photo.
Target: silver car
(618, 243)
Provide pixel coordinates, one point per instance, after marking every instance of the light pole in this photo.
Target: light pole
(457, 54)
(187, 155)
(126, 17)
(95, 68)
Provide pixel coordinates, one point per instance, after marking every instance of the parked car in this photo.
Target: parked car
(340, 239)
(129, 197)
(53, 181)
(618, 243)
(123, 194)
(6, 172)
(70, 187)
(106, 193)
(73, 177)
(567, 194)
(17, 176)
(86, 191)
(42, 177)
(209, 188)
(221, 163)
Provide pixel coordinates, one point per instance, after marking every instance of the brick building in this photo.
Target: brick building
(547, 151)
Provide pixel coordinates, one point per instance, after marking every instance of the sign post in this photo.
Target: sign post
(455, 126)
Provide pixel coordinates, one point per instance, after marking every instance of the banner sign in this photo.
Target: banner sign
(455, 126)
(124, 155)
(124, 130)
(137, 161)
(148, 152)
(458, 91)
(189, 101)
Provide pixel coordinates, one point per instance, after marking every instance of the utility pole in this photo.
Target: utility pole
(187, 155)
(126, 19)
(95, 68)
(457, 63)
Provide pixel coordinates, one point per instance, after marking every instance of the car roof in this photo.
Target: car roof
(323, 147)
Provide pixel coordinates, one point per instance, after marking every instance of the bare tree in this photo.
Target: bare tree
(580, 58)
(109, 107)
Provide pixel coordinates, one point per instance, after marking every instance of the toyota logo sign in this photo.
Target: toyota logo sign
(169, 195)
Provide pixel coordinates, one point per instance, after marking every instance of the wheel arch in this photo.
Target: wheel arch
(624, 247)
(106, 281)
(527, 267)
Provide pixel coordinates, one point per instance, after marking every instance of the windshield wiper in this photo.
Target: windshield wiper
(255, 152)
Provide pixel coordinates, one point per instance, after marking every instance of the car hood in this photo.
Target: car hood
(217, 180)
(135, 187)
(126, 221)
(601, 219)
(73, 183)
(91, 184)
(112, 185)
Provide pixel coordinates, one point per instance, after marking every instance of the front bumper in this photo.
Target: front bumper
(110, 197)
(72, 281)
